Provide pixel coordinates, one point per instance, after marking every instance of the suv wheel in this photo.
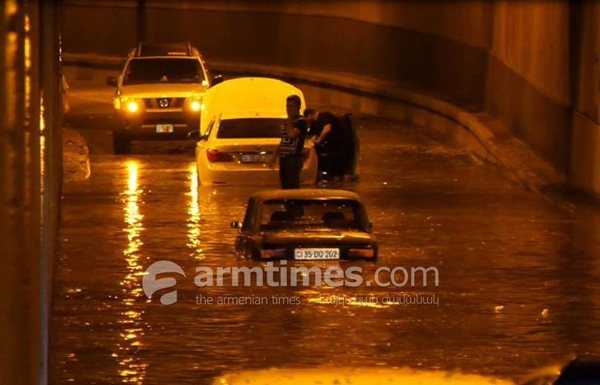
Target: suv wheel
(122, 144)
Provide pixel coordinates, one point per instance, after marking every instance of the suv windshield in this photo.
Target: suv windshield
(320, 214)
(167, 70)
(250, 128)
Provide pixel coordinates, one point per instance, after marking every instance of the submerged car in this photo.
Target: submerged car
(305, 224)
(355, 376)
(159, 93)
(240, 132)
(572, 371)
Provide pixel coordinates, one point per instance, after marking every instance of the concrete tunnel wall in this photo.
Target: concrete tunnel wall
(532, 65)
(30, 185)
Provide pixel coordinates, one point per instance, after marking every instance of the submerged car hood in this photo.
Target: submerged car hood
(317, 237)
(162, 90)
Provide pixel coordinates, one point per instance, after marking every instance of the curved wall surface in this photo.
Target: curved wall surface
(525, 63)
(292, 36)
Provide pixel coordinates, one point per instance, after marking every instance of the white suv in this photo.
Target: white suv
(159, 93)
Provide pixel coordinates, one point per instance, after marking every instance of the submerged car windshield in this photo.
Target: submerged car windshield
(167, 70)
(307, 214)
(250, 128)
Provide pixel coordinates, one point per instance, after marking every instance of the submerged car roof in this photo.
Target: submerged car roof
(305, 194)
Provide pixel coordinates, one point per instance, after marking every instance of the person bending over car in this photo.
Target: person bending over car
(330, 142)
(293, 134)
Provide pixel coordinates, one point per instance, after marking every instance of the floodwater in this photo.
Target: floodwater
(519, 277)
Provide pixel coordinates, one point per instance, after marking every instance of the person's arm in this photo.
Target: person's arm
(292, 131)
(276, 153)
(324, 134)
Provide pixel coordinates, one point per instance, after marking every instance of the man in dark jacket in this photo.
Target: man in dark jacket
(330, 142)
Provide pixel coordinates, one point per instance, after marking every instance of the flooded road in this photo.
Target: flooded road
(518, 284)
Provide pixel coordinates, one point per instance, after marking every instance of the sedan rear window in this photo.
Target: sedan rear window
(301, 214)
(167, 70)
(250, 128)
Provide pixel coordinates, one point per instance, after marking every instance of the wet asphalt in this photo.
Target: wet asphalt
(519, 276)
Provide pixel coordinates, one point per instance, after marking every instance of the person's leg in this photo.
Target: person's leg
(324, 164)
(295, 174)
(321, 163)
(287, 172)
(282, 173)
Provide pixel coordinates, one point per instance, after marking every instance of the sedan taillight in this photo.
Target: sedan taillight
(272, 253)
(213, 155)
(361, 253)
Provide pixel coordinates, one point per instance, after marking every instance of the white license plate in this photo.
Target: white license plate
(312, 254)
(164, 128)
(254, 158)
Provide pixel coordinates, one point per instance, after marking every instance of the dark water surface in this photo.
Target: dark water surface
(519, 278)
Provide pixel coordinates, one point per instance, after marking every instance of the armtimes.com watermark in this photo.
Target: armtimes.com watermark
(282, 275)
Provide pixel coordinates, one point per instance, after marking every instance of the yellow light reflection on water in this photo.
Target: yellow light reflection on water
(27, 60)
(194, 215)
(132, 369)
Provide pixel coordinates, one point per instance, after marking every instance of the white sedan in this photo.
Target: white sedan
(238, 149)
(241, 124)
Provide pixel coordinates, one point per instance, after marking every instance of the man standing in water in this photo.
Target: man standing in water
(293, 134)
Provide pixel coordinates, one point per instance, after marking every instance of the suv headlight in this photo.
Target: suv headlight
(194, 104)
(132, 106)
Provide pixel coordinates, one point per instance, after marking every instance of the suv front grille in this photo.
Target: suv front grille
(159, 103)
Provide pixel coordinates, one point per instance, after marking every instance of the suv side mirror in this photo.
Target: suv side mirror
(196, 135)
(111, 81)
(217, 79)
(236, 225)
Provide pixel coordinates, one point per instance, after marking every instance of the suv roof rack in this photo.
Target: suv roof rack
(166, 49)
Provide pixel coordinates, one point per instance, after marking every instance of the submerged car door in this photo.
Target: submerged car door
(244, 243)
